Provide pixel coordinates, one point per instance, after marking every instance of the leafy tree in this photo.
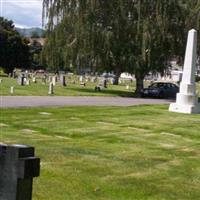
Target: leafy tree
(14, 50)
(138, 36)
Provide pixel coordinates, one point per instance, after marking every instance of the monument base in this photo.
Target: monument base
(187, 109)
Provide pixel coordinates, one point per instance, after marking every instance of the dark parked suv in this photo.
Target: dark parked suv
(161, 90)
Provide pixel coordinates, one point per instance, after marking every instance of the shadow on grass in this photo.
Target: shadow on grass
(105, 91)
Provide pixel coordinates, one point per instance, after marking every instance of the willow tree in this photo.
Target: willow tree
(158, 37)
(68, 39)
(138, 36)
(192, 16)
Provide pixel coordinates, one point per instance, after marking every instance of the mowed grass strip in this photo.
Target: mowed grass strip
(109, 153)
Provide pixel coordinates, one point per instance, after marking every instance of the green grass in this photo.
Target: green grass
(109, 153)
(40, 89)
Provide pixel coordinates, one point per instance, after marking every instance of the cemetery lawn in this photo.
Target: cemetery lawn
(109, 153)
(40, 89)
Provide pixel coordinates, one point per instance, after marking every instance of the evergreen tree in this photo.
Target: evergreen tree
(14, 50)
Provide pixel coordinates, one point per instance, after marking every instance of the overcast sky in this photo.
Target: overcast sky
(24, 13)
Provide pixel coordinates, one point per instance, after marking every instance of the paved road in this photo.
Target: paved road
(35, 101)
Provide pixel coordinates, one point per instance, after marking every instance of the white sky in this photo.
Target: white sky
(24, 13)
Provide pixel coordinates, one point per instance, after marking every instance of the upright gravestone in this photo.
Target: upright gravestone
(81, 78)
(112, 81)
(26, 74)
(63, 80)
(34, 79)
(51, 88)
(27, 81)
(54, 80)
(21, 79)
(105, 83)
(93, 79)
(18, 166)
(127, 87)
(12, 90)
(187, 99)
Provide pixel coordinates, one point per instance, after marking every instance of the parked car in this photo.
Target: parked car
(161, 90)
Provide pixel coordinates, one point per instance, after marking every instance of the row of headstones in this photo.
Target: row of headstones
(23, 80)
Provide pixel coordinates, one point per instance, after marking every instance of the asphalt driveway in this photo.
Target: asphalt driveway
(38, 101)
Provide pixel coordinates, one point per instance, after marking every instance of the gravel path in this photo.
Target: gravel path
(36, 101)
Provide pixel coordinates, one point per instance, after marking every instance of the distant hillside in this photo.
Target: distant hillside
(28, 32)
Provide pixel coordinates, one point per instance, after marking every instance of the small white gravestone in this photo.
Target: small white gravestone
(81, 78)
(21, 79)
(51, 88)
(94, 79)
(12, 90)
(187, 99)
(34, 79)
(27, 82)
(112, 80)
(54, 80)
(127, 87)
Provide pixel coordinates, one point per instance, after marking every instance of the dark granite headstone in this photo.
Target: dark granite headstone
(21, 79)
(63, 80)
(18, 166)
(105, 83)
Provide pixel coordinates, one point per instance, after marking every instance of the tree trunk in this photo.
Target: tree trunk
(117, 75)
(139, 84)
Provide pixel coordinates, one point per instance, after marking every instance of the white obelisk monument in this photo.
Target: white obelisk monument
(187, 99)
